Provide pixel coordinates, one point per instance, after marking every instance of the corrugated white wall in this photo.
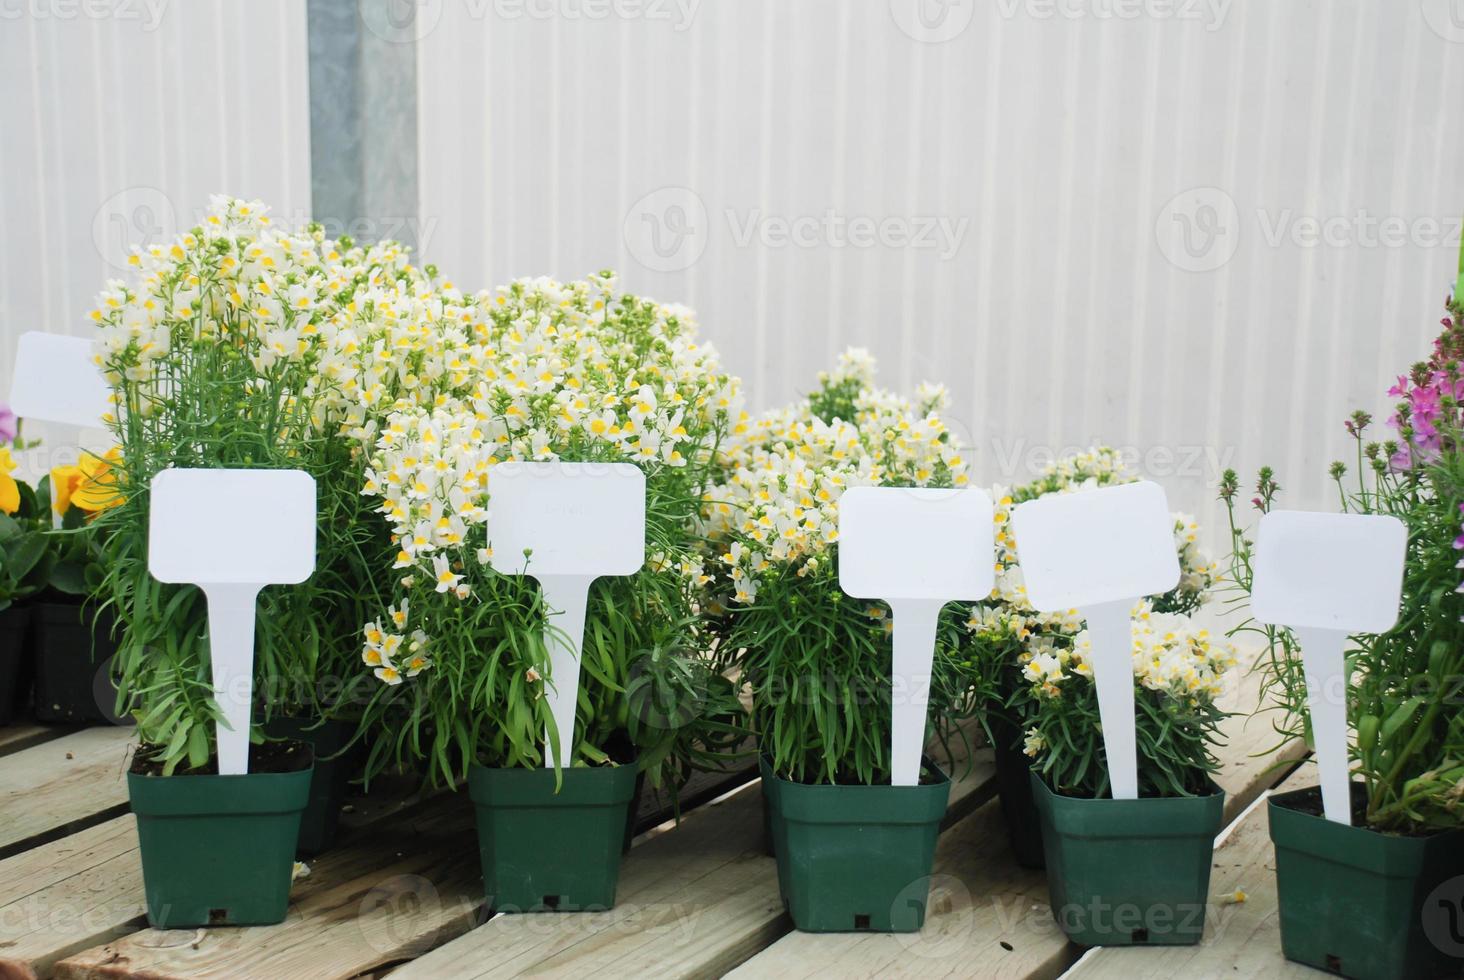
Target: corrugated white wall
(119, 119)
(699, 148)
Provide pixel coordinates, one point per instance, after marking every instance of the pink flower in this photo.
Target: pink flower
(9, 424)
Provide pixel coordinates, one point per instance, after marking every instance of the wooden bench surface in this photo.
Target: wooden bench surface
(401, 893)
(66, 783)
(24, 734)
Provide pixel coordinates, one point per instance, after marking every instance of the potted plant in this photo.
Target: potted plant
(999, 630)
(853, 851)
(25, 562)
(241, 345)
(71, 638)
(318, 338)
(1128, 872)
(1379, 898)
(550, 371)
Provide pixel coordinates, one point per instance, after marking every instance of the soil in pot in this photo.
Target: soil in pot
(856, 858)
(220, 850)
(73, 647)
(14, 661)
(1129, 872)
(544, 850)
(1365, 904)
(336, 764)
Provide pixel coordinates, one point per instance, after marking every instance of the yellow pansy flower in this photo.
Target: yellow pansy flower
(9, 489)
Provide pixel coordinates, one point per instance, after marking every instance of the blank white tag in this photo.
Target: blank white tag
(232, 532)
(56, 380)
(1101, 551)
(916, 549)
(565, 525)
(1325, 576)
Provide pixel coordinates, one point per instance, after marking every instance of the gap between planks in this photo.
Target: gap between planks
(62, 786)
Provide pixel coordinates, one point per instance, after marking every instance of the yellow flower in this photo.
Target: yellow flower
(9, 489)
(98, 487)
(64, 481)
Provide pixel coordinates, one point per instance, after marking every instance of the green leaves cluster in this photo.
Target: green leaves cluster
(819, 669)
(1405, 690)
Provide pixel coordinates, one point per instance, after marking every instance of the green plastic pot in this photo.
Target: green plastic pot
(856, 858)
(335, 766)
(72, 646)
(218, 850)
(14, 660)
(1129, 872)
(1365, 904)
(543, 850)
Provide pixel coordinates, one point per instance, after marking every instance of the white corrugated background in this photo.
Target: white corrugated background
(1058, 320)
(118, 120)
(1056, 143)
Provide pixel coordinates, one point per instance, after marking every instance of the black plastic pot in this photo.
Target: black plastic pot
(335, 767)
(73, 648)
(218, 850)
(1364, 904)
(769, 803)
(14, 661)
(544, 850)
(1014, 788)
(1129, 872)
(856, 858)
(633, 811)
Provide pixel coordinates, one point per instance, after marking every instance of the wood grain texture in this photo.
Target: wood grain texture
(22, 735)
(1241, 939)
(67, 783)
(693, 901)
(83, 889)
(403, 886)
(86, 889)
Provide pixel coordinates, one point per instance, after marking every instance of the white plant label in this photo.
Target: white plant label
(1100, 552)
(1326, 576)
(916, 549)
(56, 380)
(231, 533)
(565, 525)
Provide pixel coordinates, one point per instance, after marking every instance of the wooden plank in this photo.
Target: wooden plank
(1241, 940)
(86, 889)
(403, 885)
(986, 914)
(442, 890)
(73, 893)
(62, 786)
(694, 901)
(22, 735)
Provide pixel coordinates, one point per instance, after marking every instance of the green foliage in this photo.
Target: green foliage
(1405, 687)
(819, 667)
